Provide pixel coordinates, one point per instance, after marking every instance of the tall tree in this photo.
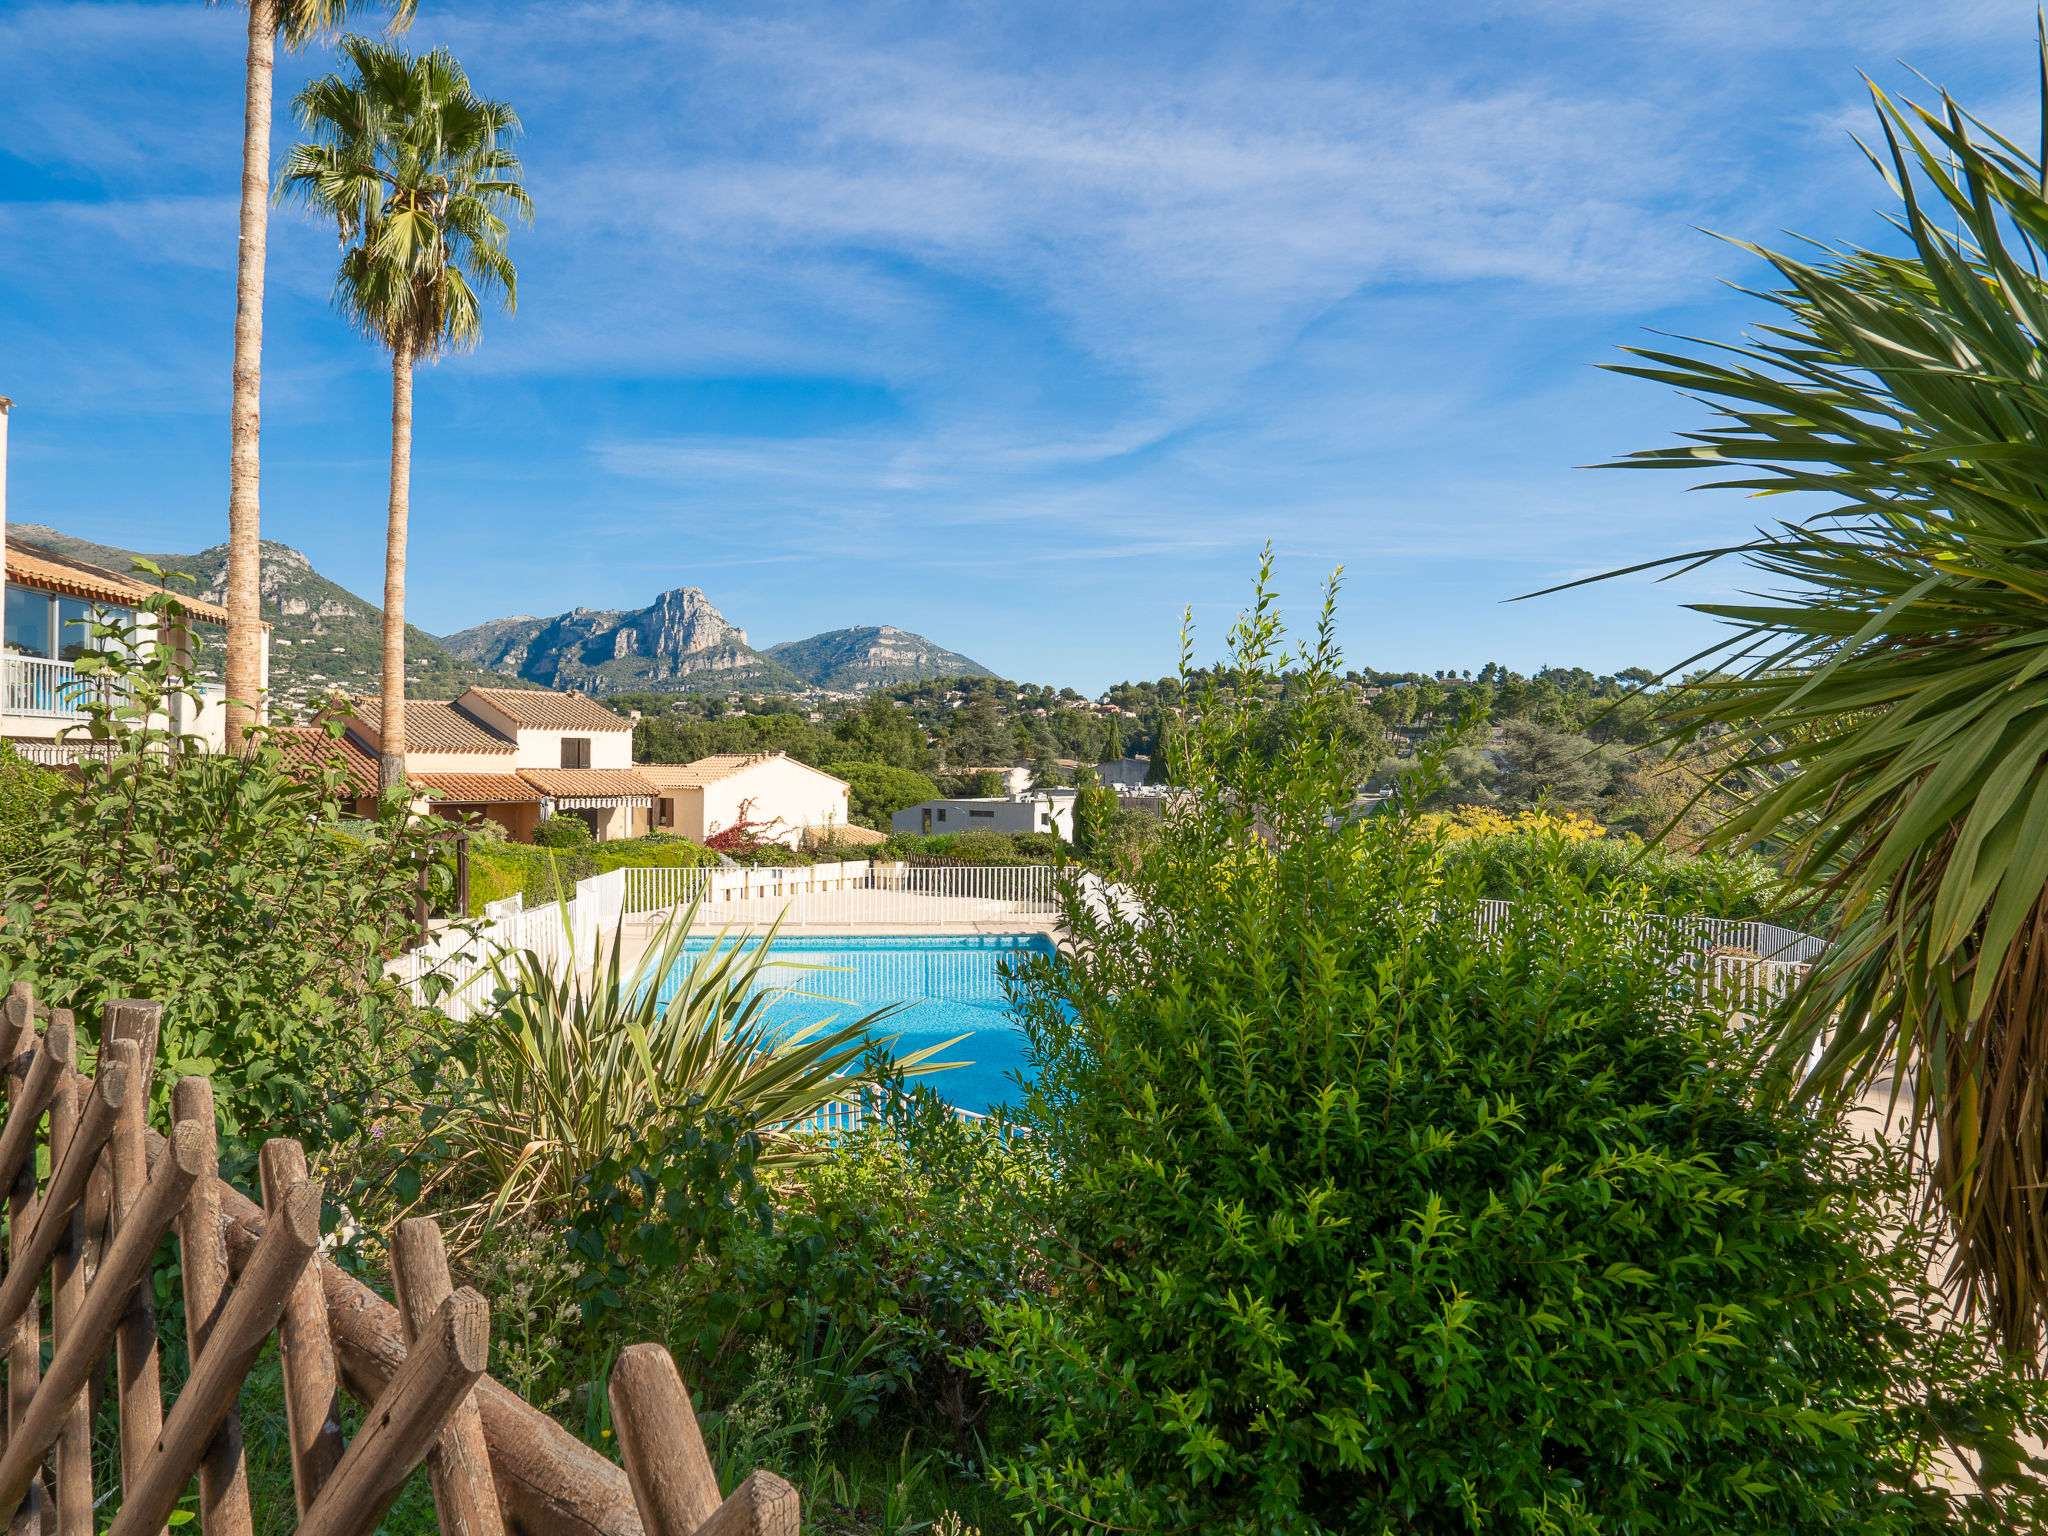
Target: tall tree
(415, 170)
(299, 21)
(1892, 694)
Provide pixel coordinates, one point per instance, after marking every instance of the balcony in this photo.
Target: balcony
(52, 689)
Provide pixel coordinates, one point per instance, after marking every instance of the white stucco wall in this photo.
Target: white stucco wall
(780, 787)
(542, 748)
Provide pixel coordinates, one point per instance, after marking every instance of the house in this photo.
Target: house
(52, 600)
(1124, 773)
(700, 799)
(518, 756)
(1045, 811)
(308, 750)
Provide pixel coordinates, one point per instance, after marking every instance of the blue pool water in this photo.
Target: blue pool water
(950, 986)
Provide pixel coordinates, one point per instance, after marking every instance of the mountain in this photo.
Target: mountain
(679, 643)
(321, 635)
(871, 656)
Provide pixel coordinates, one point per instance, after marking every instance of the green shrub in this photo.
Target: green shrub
(491, 879)
(875, 791)
(658, 851)
(984, 848)
(1367, 1223)
(874, 1267)
(540, 875)
(222, 886)
(564, 830)
(1507, 867)
(27, 795)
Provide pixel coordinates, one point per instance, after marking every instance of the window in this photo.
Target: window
(575, 751)
(55, 627)
(28, 622)
(74, 628)
(989, 814)
(942, 814)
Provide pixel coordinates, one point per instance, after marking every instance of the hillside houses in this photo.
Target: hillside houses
(521, 756)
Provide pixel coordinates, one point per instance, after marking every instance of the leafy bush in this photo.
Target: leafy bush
(984, 847)
(1541, 853)
(659, 851)
(223, 887)
(877, 791)
(27, 797)
(1366, 1222)
(565, 830)
(540, 875)
(872, 1268)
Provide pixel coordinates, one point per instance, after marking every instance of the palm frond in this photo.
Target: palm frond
(1892, 686)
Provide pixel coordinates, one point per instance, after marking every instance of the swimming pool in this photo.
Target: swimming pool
(950, 985)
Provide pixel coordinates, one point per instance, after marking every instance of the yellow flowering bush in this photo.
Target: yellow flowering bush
(1486, 821)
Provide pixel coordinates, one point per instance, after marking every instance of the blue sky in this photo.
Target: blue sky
(1019, 326)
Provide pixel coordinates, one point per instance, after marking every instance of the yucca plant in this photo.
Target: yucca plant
(1890, 692)
(574, 1062)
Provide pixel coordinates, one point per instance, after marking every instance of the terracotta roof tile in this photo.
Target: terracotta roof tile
(31, 565)
(586, 783)
(478, 788)
(433, 725)
(544, 709)
(308, 748)
(706, 770)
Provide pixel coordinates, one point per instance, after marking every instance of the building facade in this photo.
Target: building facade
(518, 756)
(1041, 812)
(52, 602)
(786, 799)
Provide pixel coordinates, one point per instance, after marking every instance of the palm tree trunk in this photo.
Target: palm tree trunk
(391, 761)
(244, 591)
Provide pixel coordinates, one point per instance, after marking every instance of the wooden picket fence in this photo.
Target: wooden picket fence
(114, 1189)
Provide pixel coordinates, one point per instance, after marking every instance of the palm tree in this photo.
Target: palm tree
(299, 21)
(413, 168)
(1890, 694)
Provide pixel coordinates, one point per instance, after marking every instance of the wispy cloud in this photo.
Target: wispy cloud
(1126, 290)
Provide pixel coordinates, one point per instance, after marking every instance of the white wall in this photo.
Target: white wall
(780, 787)
(540, 747)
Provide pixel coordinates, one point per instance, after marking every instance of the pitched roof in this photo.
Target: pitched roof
(478, 788)
(432, 725)
(586, 783)
(850, 835)
(31, 565)
(710, 770)
(547, 710)
(308, 748)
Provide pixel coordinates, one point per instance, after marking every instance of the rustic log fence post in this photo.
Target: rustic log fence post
(134, 1023)
(312, 1403)
(673, 1481)
(203, 1260)
(465, 1499)
(251, 1313)
(67, 1292)
(107, 1302)
(440, 1369)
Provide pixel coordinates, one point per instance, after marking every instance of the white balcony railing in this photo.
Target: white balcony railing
(38, 686)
